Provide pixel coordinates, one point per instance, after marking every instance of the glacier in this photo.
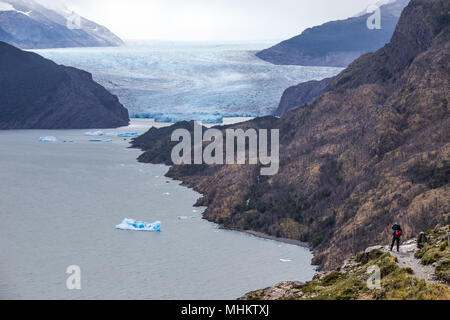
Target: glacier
(175, 81)
(133, 225)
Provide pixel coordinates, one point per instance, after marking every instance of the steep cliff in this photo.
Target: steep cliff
(373, 149)
(36, 93)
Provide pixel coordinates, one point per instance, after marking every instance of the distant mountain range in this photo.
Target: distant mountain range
(36, 93)
(336, 43)
(29, 25)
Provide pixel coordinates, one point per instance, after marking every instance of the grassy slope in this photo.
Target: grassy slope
(349, 281)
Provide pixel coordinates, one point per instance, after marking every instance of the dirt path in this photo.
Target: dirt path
(406, 258)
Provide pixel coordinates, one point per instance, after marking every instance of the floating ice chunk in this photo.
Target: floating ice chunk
(193, 210)
(111, 134)
(166, 194)
(47, 139)
(130, 224)
(285, 260)
(186, 217)
(98, 133)
(128, 134)
(68, 141)
(99, 140)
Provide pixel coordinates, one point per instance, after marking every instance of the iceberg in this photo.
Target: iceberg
(47, 139)
(186, 217)
(99, 140)
(133, 225)
(128, 135)
(98, 133)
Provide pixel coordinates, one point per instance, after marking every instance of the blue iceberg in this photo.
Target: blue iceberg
(99, 140)
(130, 224)
(128, 135)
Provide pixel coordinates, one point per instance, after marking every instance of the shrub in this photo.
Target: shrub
(331, 278)
(431, 256)
(408, 270)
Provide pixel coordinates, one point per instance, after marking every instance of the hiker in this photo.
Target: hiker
(396, 236)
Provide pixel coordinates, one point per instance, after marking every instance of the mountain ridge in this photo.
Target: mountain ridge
(372, 149)
(36, 93)
(335, 43)
(30, 25)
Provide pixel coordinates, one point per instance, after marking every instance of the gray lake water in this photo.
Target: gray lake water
(60, 203)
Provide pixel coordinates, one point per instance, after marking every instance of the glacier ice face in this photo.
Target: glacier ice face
(133, 225)
(47, 139)
(171, 82)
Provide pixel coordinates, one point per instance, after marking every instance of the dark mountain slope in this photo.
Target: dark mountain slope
(301, 94)
(371, 150)
(36, 93)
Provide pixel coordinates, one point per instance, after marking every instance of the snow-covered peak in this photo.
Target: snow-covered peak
(8, 7)
(377, 4)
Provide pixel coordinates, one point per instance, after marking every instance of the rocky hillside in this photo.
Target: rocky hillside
(336, 43)
(373, 149)
(402, 276)
(36, 93)
(301, 94)
(29, 25)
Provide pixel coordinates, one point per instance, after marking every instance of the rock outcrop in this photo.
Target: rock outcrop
(336, 43)
(29, 25)
(36, 93)
(300, 95)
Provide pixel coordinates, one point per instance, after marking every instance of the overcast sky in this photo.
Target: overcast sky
(213, 20)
